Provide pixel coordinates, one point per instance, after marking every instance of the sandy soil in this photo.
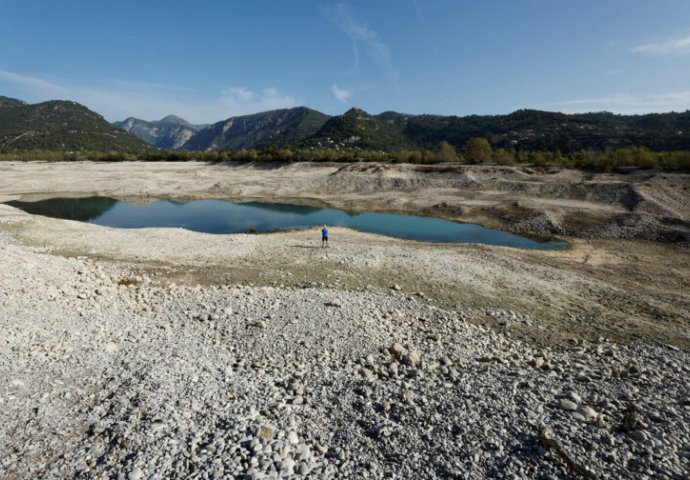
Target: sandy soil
(614, 282)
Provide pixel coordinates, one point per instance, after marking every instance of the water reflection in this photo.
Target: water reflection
(82, 209)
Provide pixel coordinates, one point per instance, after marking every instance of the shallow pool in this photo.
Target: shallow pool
(221, 216)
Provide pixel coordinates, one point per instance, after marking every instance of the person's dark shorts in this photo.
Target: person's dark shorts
(324, 238)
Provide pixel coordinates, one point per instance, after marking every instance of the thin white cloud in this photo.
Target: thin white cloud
(237, 95)
(355, 54)
(629, 103)
(119, 99)
(342, 94)
(429, 37)
(360, 33)
(670, 46)
(242, 100)
(31, 82)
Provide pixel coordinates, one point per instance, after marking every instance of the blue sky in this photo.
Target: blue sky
(210, 60)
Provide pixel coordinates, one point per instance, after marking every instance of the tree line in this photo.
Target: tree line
(476, 150)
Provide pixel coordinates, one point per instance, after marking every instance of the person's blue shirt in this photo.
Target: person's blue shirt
(324, 232)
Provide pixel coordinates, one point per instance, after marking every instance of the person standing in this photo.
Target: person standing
(324, 237)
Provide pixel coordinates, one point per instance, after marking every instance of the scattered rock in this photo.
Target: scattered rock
(292, 437)
(412, 358)
(135, 474)
(265, 432)
(574, 397)
(588, 412)
(567, 405)
(335, 302)
(397, 349)
(537, 362)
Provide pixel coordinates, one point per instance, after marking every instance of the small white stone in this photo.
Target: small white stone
(157, 426)
(336, 302)
(397, 350)
(135, 474)
(588, 412)
(575, 397)
(567, 405)
(412, 359)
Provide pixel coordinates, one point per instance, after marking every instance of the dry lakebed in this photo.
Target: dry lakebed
(162, 353)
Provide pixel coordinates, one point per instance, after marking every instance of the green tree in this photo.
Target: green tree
(538, 158)
(447, 152)
(478, 150)
(415, 156)
(503, 157)
(643, 157)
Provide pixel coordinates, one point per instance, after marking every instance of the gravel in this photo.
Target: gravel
(153, 380)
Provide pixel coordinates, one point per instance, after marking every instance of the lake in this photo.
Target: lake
(221, 216)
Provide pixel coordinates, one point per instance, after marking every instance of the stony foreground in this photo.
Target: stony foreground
(107, 374)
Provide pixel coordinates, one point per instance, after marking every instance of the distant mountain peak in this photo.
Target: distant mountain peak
(287, 126)
(170, 132)
(360, 130)
(357, 113)
(176, 120)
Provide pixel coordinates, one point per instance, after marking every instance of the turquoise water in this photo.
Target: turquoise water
(220, 216)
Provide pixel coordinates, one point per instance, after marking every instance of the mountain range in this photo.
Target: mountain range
(302, 127)
(69, 126)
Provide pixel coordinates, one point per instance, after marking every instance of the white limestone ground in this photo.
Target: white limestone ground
(157, 380)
